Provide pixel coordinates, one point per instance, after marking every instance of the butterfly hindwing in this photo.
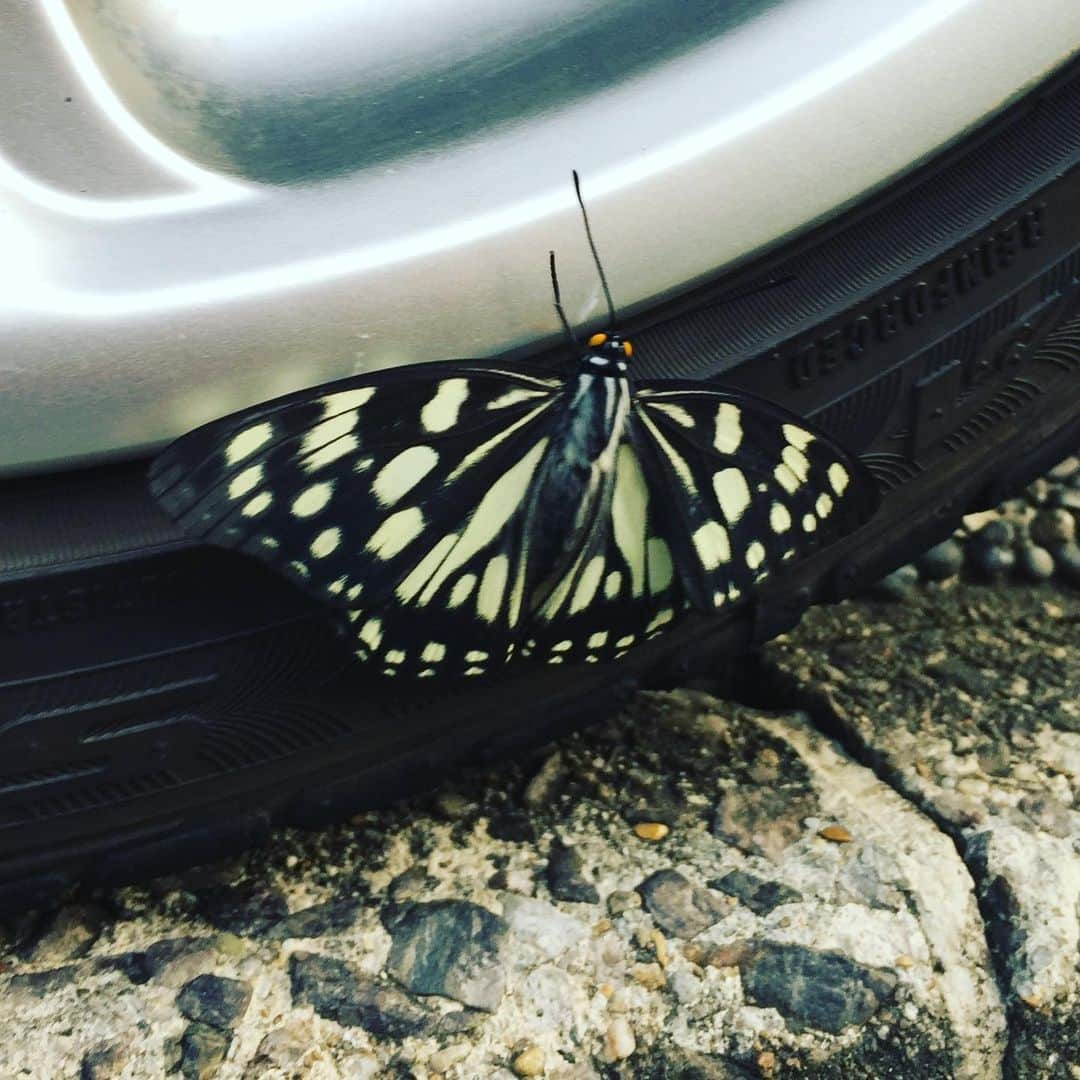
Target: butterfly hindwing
(754, 485)
(618, 584)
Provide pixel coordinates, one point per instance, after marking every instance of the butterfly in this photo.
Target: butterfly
(461, 515)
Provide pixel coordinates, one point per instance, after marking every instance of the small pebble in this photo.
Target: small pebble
(530, 1062)
(651, 976)
(991, 560)
(836, 833)
(620, 901)
(1066, 469)
(766, 1062)
(1053, 526)
(996, 533)
(448, 1057)
(651, 830)
(904, 961)
(659, 944)
(1037, 491)
(1034, 563)
(1067, 558)
(898, 584)
(1068, 498)
(619, 1041)
(942, 561)
(230, 944)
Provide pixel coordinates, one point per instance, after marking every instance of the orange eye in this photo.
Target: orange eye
(597, 340)
(628, 349)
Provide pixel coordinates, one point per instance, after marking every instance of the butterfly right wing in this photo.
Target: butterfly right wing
(403, 499)
(753, 485)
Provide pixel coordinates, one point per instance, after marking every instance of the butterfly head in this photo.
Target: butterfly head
(608, 354)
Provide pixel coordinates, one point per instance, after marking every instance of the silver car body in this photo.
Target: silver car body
(208, 203)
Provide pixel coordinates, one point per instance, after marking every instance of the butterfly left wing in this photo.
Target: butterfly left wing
(752, 485)
(403, 498)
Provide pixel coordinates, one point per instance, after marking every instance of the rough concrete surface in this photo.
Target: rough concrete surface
(869, 868)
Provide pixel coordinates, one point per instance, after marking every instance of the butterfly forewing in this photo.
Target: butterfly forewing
(404, 501)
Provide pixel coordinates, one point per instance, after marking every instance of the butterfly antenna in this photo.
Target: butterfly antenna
(558, 304)
(592, 248)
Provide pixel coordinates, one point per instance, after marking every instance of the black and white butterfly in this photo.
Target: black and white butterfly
(463, 514)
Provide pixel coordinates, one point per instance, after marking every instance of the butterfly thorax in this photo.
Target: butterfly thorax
(578, 463)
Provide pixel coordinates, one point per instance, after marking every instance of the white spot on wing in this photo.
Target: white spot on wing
(823, 506)
(728, 428)
(441, 412)
(461, 590)
(394, 656)
(779, 518)
(346, 400)
(613, 584)
(661, 568)
(476, 656)
(838, 477)
(786, 478)
(587, 584)
(371, 633)
(796, 461)
(732, 493)
(598, 640)
(247, 442)
(755, 555)
(402, 473)
(312, 499)
(797, 436)
(628, 508)
(661, 618)
(396, 533)
(492, 589)
(325, 543)
(809, 523)
(433, 652)
(258, 504)
(243, 482)
(712, 544)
